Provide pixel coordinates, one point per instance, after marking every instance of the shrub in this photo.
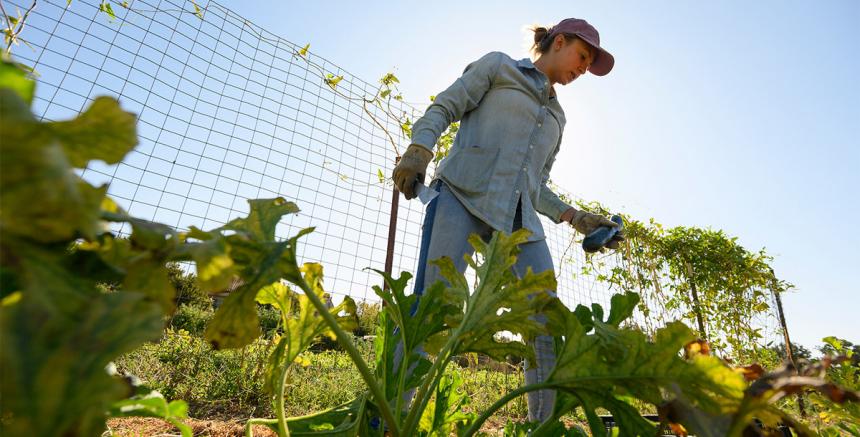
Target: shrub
(191, 318)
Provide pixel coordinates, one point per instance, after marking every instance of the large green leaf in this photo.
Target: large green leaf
(142, 269)
(445, 416)
(15, 78)
(263, 218)
(215, 268)
(53, 367)
(258, 261)
(500, 301)
(602, 369)
(104, 131)
(341, 421)
(409, 321)
(42, 198)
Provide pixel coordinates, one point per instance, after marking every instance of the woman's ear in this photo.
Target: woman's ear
(558, 42)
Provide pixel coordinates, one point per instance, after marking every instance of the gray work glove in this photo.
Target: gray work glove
(585, 222)
(411, 168)
(615, 241)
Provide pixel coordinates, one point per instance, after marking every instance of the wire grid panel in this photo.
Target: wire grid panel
(227, 112)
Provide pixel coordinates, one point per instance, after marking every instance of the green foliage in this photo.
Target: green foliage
(842, 365)
(368, 318)
(191, 318)
(332, 80)
(695, 274)
(61, 324)
(300, 330)
(188, 292)
(11, 77)
(106, 7)
(444, 416)
(59, 329)
(604, 368)
(75, 297)
(500, 301)
(37, 164)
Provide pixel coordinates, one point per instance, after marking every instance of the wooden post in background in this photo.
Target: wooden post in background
(392, 230)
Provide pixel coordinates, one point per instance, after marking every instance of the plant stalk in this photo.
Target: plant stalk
(476, 425)
(430, 381)
(344, 340)
(283, 430)
(249, 432)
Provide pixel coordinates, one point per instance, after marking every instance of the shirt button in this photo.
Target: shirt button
(531, 146)
(516, 191)
(539, 124)
(524, 169)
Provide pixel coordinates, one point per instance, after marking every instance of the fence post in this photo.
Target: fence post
(696, 305)
(789, 351)
(392, 231)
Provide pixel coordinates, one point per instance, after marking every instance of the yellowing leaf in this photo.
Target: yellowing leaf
(105, 7)
(197, 11)
(263, 218)
(11, 299)
(104, 131)
(332, 80)
(304, 50)
(389, 79)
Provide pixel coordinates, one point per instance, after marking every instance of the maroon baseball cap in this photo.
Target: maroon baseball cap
(603, 61)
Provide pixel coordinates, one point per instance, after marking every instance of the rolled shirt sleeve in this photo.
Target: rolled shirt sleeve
(549, 204)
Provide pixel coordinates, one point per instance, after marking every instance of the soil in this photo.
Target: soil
(151, 427)
(146, 427)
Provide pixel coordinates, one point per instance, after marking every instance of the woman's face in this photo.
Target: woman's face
(569, 60)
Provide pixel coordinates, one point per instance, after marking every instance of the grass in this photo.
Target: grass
(228, 384)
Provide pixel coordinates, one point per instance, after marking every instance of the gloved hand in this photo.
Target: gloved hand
(615, 241)
(411, 168)
(585, 222)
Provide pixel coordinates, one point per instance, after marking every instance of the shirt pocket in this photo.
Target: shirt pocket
(471, 169)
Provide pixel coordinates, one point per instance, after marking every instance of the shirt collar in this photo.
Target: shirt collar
(526, 63)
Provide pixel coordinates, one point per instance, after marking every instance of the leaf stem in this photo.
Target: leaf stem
(355, 355)
(251, 422)
(430, 381)
(283, 430)
(476, 425)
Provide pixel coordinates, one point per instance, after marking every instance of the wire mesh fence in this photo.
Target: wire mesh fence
(228, 111)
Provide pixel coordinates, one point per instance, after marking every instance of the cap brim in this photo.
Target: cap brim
(603, 63)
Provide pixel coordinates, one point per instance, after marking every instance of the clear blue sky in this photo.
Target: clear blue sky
(735, 115)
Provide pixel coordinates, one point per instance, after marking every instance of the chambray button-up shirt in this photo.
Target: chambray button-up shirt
(510, 132)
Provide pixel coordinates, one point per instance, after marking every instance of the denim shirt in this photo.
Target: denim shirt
(510, 132)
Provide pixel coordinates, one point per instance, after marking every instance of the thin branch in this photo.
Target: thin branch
(12, 32)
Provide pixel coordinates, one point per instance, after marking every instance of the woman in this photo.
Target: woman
(495, 176)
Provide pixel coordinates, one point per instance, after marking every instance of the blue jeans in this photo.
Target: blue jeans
(447, 225)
